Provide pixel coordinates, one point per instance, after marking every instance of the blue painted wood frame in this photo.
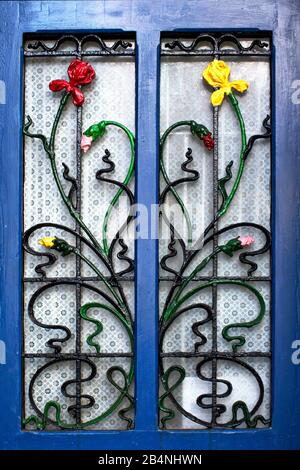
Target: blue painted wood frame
(148, 19)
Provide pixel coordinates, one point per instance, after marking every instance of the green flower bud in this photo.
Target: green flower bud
(231, 246)
(62, 246)
(96, 130)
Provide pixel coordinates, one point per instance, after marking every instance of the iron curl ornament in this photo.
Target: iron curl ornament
(108, 286)
(187, 279)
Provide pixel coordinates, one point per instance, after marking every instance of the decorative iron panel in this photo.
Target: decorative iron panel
(215, 207)
(79, 156)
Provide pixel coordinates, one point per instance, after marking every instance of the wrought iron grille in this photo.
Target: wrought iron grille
(78, 286)
(214, 346)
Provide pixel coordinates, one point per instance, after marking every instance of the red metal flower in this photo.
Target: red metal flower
(208, 141)
(80, 73)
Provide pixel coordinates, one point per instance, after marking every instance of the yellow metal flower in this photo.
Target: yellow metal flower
(47, 242)
(217, 75)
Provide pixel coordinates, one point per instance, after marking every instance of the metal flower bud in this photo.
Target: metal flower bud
(58, 244)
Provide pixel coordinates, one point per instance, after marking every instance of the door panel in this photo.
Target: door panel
(215, 319)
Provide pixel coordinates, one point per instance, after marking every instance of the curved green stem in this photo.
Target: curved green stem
(250, 422)
(51, 153)
(62, 104)
(170, 414)
(166, 177)
(250, 324)
(225, 205)
(125, 182)
(99, 327)
(117, 403)
(41, 423)
(197, 269)
(49, 148)
(123, 392)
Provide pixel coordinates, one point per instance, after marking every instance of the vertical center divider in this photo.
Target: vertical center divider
(146, 250)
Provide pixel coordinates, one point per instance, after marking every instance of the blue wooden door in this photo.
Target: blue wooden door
(148, 20)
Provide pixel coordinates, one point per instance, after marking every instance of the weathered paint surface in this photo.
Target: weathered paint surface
(148, 18)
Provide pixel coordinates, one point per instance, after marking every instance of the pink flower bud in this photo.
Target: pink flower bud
(86, 143)
(246, 241)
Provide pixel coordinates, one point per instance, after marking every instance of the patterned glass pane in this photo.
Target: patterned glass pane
(78, 256)
(215, 267)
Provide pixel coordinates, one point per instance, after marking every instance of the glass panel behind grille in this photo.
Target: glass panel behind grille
(78, 293)
(215, 320)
